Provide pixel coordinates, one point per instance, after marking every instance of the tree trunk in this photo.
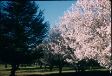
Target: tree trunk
(13, 70)
(90, 68)
(5, 65)
(45, 66)
(60, 70)
(51, 67)
(40, 65)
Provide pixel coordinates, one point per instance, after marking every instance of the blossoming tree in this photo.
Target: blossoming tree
(53, 47)
(86, 29)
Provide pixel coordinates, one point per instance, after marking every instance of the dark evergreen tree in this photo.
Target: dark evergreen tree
(22, 28)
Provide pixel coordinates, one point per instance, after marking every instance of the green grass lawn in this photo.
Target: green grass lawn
(29, 70)
(35, 70)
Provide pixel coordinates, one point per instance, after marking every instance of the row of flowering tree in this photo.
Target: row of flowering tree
(84, 32)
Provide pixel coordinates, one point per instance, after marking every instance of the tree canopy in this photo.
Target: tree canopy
(84, 32)
(22, 29)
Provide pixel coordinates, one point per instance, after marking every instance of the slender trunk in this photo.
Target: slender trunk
(76, 68)
(40, 64)
(60, 69)
(5, 65)
(51, 67)
(13, 70)
(45, 66)
(91, 68)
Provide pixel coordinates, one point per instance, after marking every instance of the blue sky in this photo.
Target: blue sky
(54, 9)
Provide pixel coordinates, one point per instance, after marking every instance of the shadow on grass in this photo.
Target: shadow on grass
(88, 73)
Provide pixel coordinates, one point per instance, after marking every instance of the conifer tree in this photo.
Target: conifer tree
(22, 29)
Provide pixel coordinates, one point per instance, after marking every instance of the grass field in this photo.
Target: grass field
(29, 70)
(36, 71)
